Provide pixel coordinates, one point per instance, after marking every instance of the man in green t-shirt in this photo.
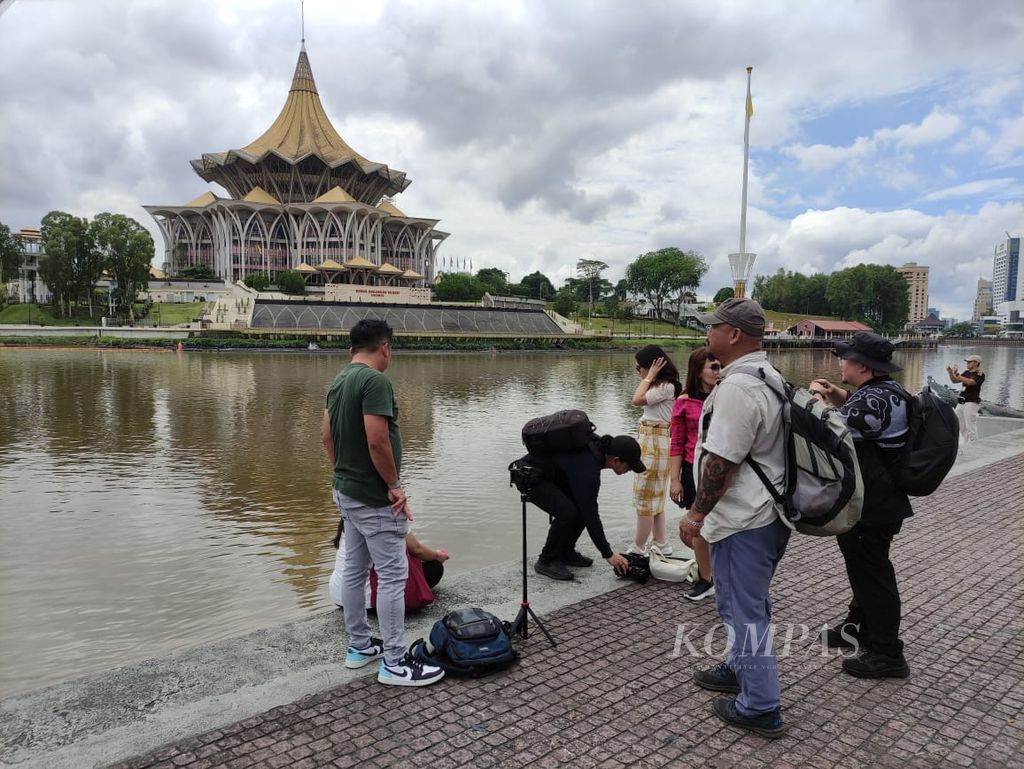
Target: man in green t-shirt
(364, 447)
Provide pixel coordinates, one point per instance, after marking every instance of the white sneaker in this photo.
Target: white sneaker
(411, 672)
(634, 550)
(664, 547)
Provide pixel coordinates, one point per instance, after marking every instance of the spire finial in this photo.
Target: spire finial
(302, 11)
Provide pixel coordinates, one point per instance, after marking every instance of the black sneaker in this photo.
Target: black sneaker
(576, 558)
(874, 665)
(553, 569)
(844, 636)
(768, 725)
(411, 672)
(702, 588)
(718, 679)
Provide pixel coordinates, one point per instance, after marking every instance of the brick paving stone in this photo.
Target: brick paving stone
(633, 702)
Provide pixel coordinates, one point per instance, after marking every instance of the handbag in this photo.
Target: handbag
(671, 569)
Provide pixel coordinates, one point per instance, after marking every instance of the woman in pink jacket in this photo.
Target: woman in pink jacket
(702, 374)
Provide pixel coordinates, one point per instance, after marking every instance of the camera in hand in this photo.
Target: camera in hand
(525, 474)
(639, 567)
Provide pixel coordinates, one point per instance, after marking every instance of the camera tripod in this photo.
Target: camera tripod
(519, 624)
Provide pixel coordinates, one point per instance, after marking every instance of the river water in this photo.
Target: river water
(153, 500)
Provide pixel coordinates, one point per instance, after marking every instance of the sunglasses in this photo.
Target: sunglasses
(716, 366)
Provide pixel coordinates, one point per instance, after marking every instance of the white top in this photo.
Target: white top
(746, 418)
(660, 398)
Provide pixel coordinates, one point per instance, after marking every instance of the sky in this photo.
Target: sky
(544, 132)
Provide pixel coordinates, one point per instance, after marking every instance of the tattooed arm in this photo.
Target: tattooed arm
(716, 475)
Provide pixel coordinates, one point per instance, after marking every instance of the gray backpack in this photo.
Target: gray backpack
(823, 491)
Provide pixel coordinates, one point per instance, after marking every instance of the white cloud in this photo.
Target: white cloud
(972, 189)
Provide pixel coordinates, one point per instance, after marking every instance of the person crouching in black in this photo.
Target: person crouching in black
(569, 494)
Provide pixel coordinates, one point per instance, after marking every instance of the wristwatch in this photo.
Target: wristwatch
(396, 485)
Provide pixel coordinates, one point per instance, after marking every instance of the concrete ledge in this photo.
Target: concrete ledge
(106, 717)
(121, 332)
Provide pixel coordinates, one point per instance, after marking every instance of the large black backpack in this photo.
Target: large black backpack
(561, 431)
(932, 443)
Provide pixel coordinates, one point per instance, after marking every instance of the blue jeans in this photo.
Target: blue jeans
(743, 565)
(374, 536)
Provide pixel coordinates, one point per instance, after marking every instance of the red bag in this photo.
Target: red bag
(417, 592)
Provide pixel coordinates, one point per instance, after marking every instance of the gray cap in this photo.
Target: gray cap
(744, 314)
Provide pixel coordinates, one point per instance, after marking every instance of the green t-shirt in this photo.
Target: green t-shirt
(356, 391)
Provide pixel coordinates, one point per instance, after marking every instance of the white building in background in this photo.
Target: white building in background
(1008, 285)
(29, 287)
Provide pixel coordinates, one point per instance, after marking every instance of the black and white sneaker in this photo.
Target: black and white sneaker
(702, 588)
(411, 672)
(357, 658)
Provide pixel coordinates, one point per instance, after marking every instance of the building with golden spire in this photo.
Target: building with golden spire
(300, 196)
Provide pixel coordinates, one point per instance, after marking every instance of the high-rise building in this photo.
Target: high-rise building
(982, 300)
(917, 280)
(1006, 273)
(1008, 286)
(300, 198)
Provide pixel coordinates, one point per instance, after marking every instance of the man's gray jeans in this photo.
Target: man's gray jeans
(374, 536)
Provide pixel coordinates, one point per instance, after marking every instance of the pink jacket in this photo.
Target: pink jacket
(685, 424)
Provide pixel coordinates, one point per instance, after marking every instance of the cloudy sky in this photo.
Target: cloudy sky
(543, 132)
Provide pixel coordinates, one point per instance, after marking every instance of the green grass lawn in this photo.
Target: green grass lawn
(635, 327)
(172, 313)
(21, 314)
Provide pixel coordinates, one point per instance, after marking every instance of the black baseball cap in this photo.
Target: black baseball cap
(628, 450)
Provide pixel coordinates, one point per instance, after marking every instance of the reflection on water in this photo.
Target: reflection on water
(151, 501)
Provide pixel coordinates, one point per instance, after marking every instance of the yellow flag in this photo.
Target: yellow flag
(750, 106)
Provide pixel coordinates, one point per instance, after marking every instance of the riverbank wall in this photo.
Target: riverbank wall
(98, 719)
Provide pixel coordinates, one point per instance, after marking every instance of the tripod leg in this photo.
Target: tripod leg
(540, 624)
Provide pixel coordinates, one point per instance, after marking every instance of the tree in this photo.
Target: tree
(127, 250)
(10, 254)
(197, 272)
(73, 264)
(590, 271)
(964, 329)
(873, 293)
(539, 285)
(459, 287)
(495, 281)
(659, 275)
(291, 282)
(724, 293)
(258, 281)
(565, 302)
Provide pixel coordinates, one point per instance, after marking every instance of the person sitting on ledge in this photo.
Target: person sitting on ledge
(569, 495)
(431, 558)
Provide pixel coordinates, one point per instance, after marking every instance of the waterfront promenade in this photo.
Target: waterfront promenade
(617, 690)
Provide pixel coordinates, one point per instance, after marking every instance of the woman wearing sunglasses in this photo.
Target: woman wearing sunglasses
(659, 386)
(702, 374)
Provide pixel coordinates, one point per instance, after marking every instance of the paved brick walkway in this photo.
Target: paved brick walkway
(614, 693)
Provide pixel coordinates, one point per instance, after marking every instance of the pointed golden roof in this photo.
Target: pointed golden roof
(388, 207)
(203, 200)
(358, 262)
(260, 195)
(411, 275)
(305, 268)
(157, 274)
(303, 128)
(330, 264)
(335, 195)
(389, 269)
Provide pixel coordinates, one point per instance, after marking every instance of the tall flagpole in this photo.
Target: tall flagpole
(749, 104)
(742, 263)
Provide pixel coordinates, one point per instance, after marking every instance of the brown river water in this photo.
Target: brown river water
(152, 501)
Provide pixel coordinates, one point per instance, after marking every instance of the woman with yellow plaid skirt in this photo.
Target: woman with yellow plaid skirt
(658, 388)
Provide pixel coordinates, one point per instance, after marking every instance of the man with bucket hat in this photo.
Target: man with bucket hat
(876, 413)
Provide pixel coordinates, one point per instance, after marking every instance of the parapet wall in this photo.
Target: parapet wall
(321, 316)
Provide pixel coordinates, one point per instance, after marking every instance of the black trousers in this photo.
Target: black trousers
(432, 572)
(876, 598)
(567, 522)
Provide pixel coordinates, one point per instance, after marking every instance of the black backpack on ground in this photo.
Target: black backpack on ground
(467, 642)
(932, 443)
